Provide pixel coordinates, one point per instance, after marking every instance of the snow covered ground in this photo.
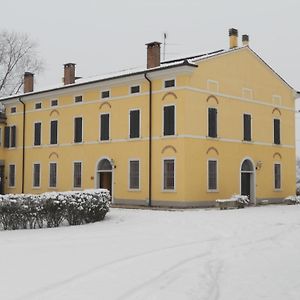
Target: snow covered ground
(251, 253)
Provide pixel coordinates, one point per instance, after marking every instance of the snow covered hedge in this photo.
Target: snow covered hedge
(292, 200)
(32, 211)
(235, 201)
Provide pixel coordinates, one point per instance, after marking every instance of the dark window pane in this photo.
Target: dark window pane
(36, 175)
(37, 134)
(12, 175)
(134, 124)
(78, 99)
(277, 173)
(135, 89)
(276, 131)
(53, 137)
(13, 132)
(212, 122)
(134, 174)
(52, 175)
(169, 83)
(105, 94)
(38, 105)
(78, 130)
(104, 136)
(54, 102)
(212, 175)
(169, 120)
(13, 109)
(169, 182)
(247, 127)
(6, 136)
(77, 174)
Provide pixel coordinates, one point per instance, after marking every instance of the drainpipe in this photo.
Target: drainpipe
(23, 146)
(150, 139)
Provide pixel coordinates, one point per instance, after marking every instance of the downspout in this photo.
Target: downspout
(23, 145)
(150, 140)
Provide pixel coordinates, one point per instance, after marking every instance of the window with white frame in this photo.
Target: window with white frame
(134, 174)
(13, 109)
(52, 174)
(78, 98)
(38, 105)
(54, 102)
(169, 83)
(134, 123)
(36, 175)
(11, 175)
(78, 130)
(169, 120)
(212, 122)
(104, 127)
(10, 136)
(169, 174)
(37, 133)
(105, 94)
(135, 89)
(247, 127)
(277, 176)
(53, 132)
(212, 175)
(77, 167)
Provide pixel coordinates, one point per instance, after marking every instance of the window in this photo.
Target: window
(78, 130)
(169, 120)
(169, 83)
(53, 132)
(277, 176)
(10, 134)
(36, 175)
(212, 175)
(247, 127)
(13, 109)
(104, 125)
(134, 124)
(276, 131)
(78, 99)
(134, 174)
(212, 122)
(37, 133)
(77, 175)
(135, 89)
(0, 136)
(169, 174)
(52, 174)
(11, 175)
(54, 102)
(38, 105)
(105, 94)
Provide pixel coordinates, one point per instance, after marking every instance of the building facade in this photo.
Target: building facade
(178, 133)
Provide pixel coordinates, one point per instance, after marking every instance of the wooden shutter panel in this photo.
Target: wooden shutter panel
(104, 127)
(134, 124)
(212, 122)
(78, 130)
(53, 137)
(6, 136)
(276, 131)
(247, 127)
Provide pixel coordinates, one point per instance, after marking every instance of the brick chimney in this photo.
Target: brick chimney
(233, 38)
(28, 82)
(153, 55)
(69, 73)
(245, 39)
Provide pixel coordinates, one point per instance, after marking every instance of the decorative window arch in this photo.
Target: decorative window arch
(212, 150)
(168, 147)
(54, 112)
(169, 94)
(276, 111)
(104, 165)
(105, 104)
(247, 166)
(212, 100)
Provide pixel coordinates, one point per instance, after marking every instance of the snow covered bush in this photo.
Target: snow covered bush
(235, 201)
(32, 211)
(241, 199)
(292, 200)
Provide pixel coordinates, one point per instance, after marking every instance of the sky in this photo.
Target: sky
(107, 36)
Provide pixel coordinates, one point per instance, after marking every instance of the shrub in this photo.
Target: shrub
(290, 200)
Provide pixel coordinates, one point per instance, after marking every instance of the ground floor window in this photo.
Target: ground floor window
(169, 174)
(134, 174)
(11, 175)
(77, 174)
(277, 176)
(36, 175)
(212, 175)
(52, 174)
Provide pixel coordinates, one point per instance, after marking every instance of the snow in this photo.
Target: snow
(250, 253)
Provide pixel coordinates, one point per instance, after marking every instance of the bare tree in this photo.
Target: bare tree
(18, 53)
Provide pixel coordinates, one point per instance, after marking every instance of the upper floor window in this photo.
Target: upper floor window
(38, 105)
(10, 134)
(53, 132)
(37, 133)
(134, 124)
(169, 83)
(13, 109)
(277, 176)
(212, 122)
(169, 120)
(78, 130)
(169, 174)
(104, 127)
(276, 131)
(134, 174)
(105, 94)
(54, 102)
(11, 175)
(247, 127)
(78, 98)
(212, 175)
(135, 89)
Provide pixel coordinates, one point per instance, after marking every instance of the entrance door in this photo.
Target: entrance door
(105, 180)
(2, 180)
(247, 180)
(245, 184)
(105, 175)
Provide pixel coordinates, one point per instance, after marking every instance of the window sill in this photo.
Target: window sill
(134, 139)
(134, 190)
(36, 187)
(171, 136)
(105, 141)
(212, 191)
(277, 190)
(213, 138)
(168, 191)
(247, 142)
(11, 187)
(36, 146)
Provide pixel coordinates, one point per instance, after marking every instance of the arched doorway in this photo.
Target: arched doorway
(105, 175)
(248, 180)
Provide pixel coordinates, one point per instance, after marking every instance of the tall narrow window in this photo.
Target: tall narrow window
(0, 136)
(53, 132)
(212, 175)
(169, 174)
(37, 133)
(104, 125)
(212, 122)
(10, 135)
(11, 175)
(134, 130)
(277, 176)
(247, 127)
(6, 136)
(277, 131)
(134, 174)
(52, 174)
(78, 130)
(77, 175)
(13, 131)
(169, 120)
(36, 175)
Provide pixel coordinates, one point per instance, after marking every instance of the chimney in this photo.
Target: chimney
(233, 38)
(245, 39)
(153, 55)
(28, 82)
(69, 73)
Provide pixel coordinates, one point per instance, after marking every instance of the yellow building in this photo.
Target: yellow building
(178, 133)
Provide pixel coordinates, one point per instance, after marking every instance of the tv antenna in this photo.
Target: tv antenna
(164, 46)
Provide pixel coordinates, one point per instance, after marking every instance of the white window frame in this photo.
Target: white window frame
(163, 121)
(163, 174)
(135, 85)
(82, 130)
(78, 95)
(171, 87)
(210, 82)
(36, 122)
(139, 188)
(1, 137)
(40, 177)
(251, 127)
(277, 189)
(216, 190)
(35, 104)
(51, 101)
(140, 123)
(15, 177)
(109, 130)
(50, 133)
(105, 90)
(81, 178)
(207, 130)
(280, 128)
(49, 185)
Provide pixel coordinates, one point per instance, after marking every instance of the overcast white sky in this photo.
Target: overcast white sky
(106, 36)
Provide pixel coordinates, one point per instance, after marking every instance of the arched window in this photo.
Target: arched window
(104, 165)
(247, 166)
